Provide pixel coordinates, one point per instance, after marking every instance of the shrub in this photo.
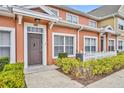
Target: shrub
(3, 61)
(12, 79)
(121, 53)
(90, 68)
(62, 55)
(12, 76)
(10, 67)
(69, 65)
(1, 66)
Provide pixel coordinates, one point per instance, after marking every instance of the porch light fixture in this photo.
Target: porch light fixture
(36, 21)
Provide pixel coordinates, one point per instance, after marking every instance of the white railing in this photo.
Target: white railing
(98, 55)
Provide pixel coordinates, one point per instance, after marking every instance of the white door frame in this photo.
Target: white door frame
(12, 42)
(26, 44)
(104, 42)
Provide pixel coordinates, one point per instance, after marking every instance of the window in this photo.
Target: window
(111, 45)
(4, 44)
(71, 18)
(90, 45)
(121, 27)
(120, 45)
(92, 23)
(120, 24)
(63, 44)
(55, 11)
(34, 29)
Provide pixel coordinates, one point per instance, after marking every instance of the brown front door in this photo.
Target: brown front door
(34, 49)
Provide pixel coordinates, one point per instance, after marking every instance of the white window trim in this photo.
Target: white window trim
(63, 34)
(12, 43)
(122, 44)
(26, 44)
(91, 38)
(121, 22)
(54, 9)
(114, 43)
(72, 15)
(92, 21)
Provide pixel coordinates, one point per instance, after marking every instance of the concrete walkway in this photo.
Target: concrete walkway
(115, 80)
(48, 77)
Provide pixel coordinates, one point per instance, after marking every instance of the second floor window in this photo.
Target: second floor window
(71, 18)
(92, 23)
(121, 27)
(120, 24)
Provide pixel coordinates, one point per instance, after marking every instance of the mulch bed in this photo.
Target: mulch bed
(87, 81)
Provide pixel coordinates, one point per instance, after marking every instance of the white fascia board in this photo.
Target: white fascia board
(46, 9)
(43, 7)
(31, 6)
(5, 12)
(34, 14)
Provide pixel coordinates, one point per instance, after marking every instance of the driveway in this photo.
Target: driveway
(48, 77)
(115, 80)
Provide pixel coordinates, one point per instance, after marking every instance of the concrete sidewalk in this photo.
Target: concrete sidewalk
(49, 77)
(115, 80)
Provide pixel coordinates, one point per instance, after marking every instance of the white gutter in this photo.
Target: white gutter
(6, 12)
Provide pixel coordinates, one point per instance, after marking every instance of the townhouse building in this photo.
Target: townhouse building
(113, 17)
(37, 34)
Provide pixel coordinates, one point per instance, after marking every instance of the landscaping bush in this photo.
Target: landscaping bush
(12, 76)
(3, 61)
(62, 55)
(121, 53)
(15, 67)
(70, 65)
(90, 68)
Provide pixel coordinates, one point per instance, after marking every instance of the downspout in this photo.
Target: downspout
(81, 28)
(115, 29)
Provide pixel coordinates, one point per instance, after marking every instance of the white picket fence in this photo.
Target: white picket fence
(98, 55)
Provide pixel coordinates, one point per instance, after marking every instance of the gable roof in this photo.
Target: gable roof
(64, 7)
(105, 10)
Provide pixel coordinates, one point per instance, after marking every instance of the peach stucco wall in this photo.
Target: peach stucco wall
(10, 22)
(7, 21)
(86, 33)
(57, 29)
(65, 30)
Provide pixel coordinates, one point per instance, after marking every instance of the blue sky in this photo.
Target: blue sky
(84, 8)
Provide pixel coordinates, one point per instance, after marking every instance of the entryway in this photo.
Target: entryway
(34, 45)
(103, 43)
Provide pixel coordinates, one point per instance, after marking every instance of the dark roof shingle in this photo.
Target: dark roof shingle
(105, 10)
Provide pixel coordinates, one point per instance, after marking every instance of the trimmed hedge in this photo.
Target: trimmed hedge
(3, 61)
(11, 67)
(94, 67)
(62, 55)
(12, 76)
